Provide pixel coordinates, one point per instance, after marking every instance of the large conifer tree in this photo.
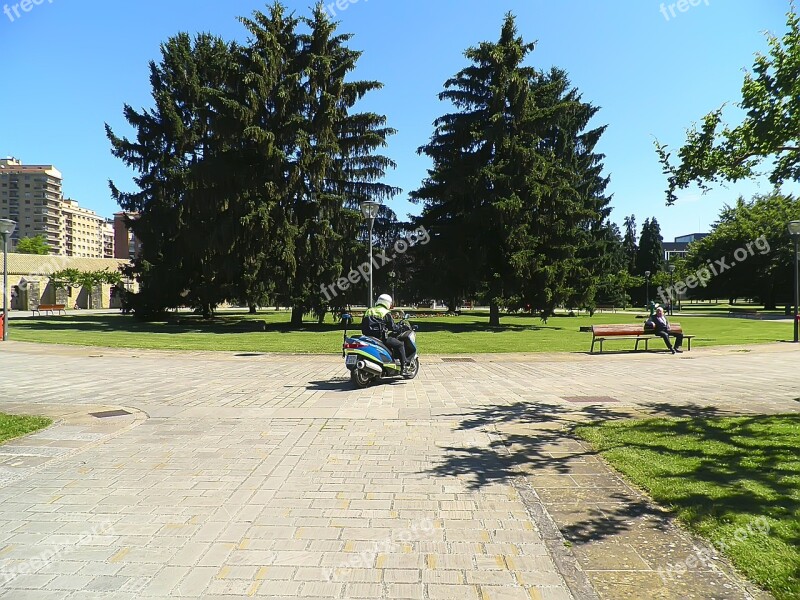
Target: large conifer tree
(185, 195)
(514, 201)
(335, 163)
(251, 166)
(650, 256)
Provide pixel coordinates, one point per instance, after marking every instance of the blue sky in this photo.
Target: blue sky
(75, 63)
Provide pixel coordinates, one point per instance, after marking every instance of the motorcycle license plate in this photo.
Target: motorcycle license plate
(351, 360)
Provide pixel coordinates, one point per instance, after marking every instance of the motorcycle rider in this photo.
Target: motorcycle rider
(378, 323)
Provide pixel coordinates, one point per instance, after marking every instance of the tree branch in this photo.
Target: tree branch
(739, 161)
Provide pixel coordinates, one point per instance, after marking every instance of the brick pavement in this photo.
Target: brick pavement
(268, 476)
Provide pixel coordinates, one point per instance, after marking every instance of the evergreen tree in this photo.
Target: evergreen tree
(336, 166)
(252, 166)
(614, 282)
(185, 184)
(514, 201)
(270, 104)
(650, 256)
(629, 244)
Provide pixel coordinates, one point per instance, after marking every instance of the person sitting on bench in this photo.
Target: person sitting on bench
(660, 323)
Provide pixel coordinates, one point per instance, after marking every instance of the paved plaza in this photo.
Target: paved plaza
(221, 475)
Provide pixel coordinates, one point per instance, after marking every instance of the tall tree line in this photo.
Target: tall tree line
(251, 166)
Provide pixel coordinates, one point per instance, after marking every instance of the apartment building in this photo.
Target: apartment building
(32, 196)
(108, 239)
(82, 231)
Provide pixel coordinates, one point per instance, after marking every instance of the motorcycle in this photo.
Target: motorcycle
(369, 360)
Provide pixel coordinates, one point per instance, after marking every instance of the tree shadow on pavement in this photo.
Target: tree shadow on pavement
(508, 452)
(530, 440)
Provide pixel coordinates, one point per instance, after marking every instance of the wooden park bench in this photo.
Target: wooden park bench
(49, 308)
(602, 333)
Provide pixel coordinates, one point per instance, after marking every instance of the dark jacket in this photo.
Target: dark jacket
(659, 324)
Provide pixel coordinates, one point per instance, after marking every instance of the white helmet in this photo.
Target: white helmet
(385, 300)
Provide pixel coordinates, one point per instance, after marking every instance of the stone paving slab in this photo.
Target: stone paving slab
(269, 476)
(71, 432)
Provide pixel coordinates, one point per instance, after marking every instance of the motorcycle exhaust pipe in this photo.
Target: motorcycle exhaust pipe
(363, 365)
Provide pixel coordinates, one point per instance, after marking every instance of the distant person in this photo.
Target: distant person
(660, 323)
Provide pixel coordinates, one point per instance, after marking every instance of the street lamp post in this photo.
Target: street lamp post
(647, 284)
(370, 211)
(671, 268)
(794, 231)
(6, 229)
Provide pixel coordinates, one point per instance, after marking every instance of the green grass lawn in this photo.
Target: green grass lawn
(468, 333)
(12, 426)
(734, 481)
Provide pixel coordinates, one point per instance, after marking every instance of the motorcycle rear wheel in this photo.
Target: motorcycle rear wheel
(361, 380)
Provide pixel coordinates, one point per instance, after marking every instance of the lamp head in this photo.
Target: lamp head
(794, 228)
(7, 227)
(370, 209)
(671, 268)
(647, 274)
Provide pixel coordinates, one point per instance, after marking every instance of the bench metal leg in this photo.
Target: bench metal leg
(591, 351)
(636, 347)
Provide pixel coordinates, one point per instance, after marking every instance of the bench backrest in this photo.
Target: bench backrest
(627, 329)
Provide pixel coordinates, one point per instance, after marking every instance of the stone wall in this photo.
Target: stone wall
(40, 290)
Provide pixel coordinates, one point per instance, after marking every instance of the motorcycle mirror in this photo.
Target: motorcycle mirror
(347, 318)
(406, 316)
(416, 327)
